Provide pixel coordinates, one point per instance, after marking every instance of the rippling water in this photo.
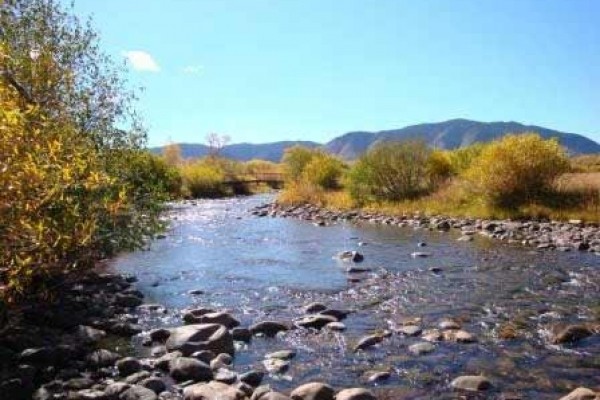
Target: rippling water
(261, 268)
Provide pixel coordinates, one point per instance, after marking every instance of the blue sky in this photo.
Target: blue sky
(261, 70)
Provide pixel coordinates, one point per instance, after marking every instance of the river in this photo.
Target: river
(269, 268)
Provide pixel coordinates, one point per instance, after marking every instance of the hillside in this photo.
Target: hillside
(445, 135)
(453, 134)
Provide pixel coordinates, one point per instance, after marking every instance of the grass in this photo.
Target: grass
(576, 196)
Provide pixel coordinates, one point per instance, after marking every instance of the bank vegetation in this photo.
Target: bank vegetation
(517, 176)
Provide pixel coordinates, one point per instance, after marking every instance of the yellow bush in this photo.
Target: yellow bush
(517, 169)
(54, 195)
(203, 179)
(323, 171)
(295, 159)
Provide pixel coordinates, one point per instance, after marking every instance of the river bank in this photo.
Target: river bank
(542, 235)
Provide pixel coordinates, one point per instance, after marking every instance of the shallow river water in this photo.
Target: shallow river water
(269, 268)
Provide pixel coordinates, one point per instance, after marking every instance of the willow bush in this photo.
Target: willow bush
(517, 169)
(75, 186)
(394, 171)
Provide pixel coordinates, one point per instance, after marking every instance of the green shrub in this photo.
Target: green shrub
(517, 169)
(460, 159)
(391, 171)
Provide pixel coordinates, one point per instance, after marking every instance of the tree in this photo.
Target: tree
(172, 154)
(215, 143)
(54, 62)
(75, 184)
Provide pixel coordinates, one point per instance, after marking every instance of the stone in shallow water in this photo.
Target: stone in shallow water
(449, 324)
(471, 383)
(459, 336)
(276, 366)
(421, 348)
(315, 308)
(212, 391)
(379, 376)
(355, 394)
(315, 321)
(410, 330)
(268, 328)
(313, 391)
(336, 326)
(282, 354)
(571, 333)
(191, 338)
(419, 254)
(368, 341)
(581, 394)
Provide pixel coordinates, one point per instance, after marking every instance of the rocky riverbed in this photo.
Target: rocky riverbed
(231, 306)
(543, 235)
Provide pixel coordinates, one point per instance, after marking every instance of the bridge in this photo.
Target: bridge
(272, 179)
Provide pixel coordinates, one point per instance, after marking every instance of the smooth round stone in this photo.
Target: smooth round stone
(472, 383)
(410, 330)
(421, 348)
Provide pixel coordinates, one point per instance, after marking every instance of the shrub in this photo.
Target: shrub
(517, 169)
(460, 159)
(203, 179)
(439, 168)
(391, 171)
(323, 171)
(295, 159)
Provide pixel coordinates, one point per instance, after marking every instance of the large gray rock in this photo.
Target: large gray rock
(313, 391)
(192, 338)
(355, 394)
(212, 391)
(189, 369)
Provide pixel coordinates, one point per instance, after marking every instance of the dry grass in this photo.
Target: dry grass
(579, 181)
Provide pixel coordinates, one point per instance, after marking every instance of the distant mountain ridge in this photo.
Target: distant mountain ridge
(453, 134)
(242, 151)
(450, 134)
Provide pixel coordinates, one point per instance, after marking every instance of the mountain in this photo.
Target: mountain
(453, 134)
(241, 151)
(445, 135)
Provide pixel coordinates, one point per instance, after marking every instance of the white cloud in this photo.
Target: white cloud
(141, 61)
(192, 69)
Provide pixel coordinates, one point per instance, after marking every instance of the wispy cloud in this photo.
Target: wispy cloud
(141, 61)
(192, 69)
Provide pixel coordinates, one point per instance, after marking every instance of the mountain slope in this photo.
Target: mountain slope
(241, 151)
(453, 134)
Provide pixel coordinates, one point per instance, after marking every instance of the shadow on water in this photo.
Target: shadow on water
(262, 268)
